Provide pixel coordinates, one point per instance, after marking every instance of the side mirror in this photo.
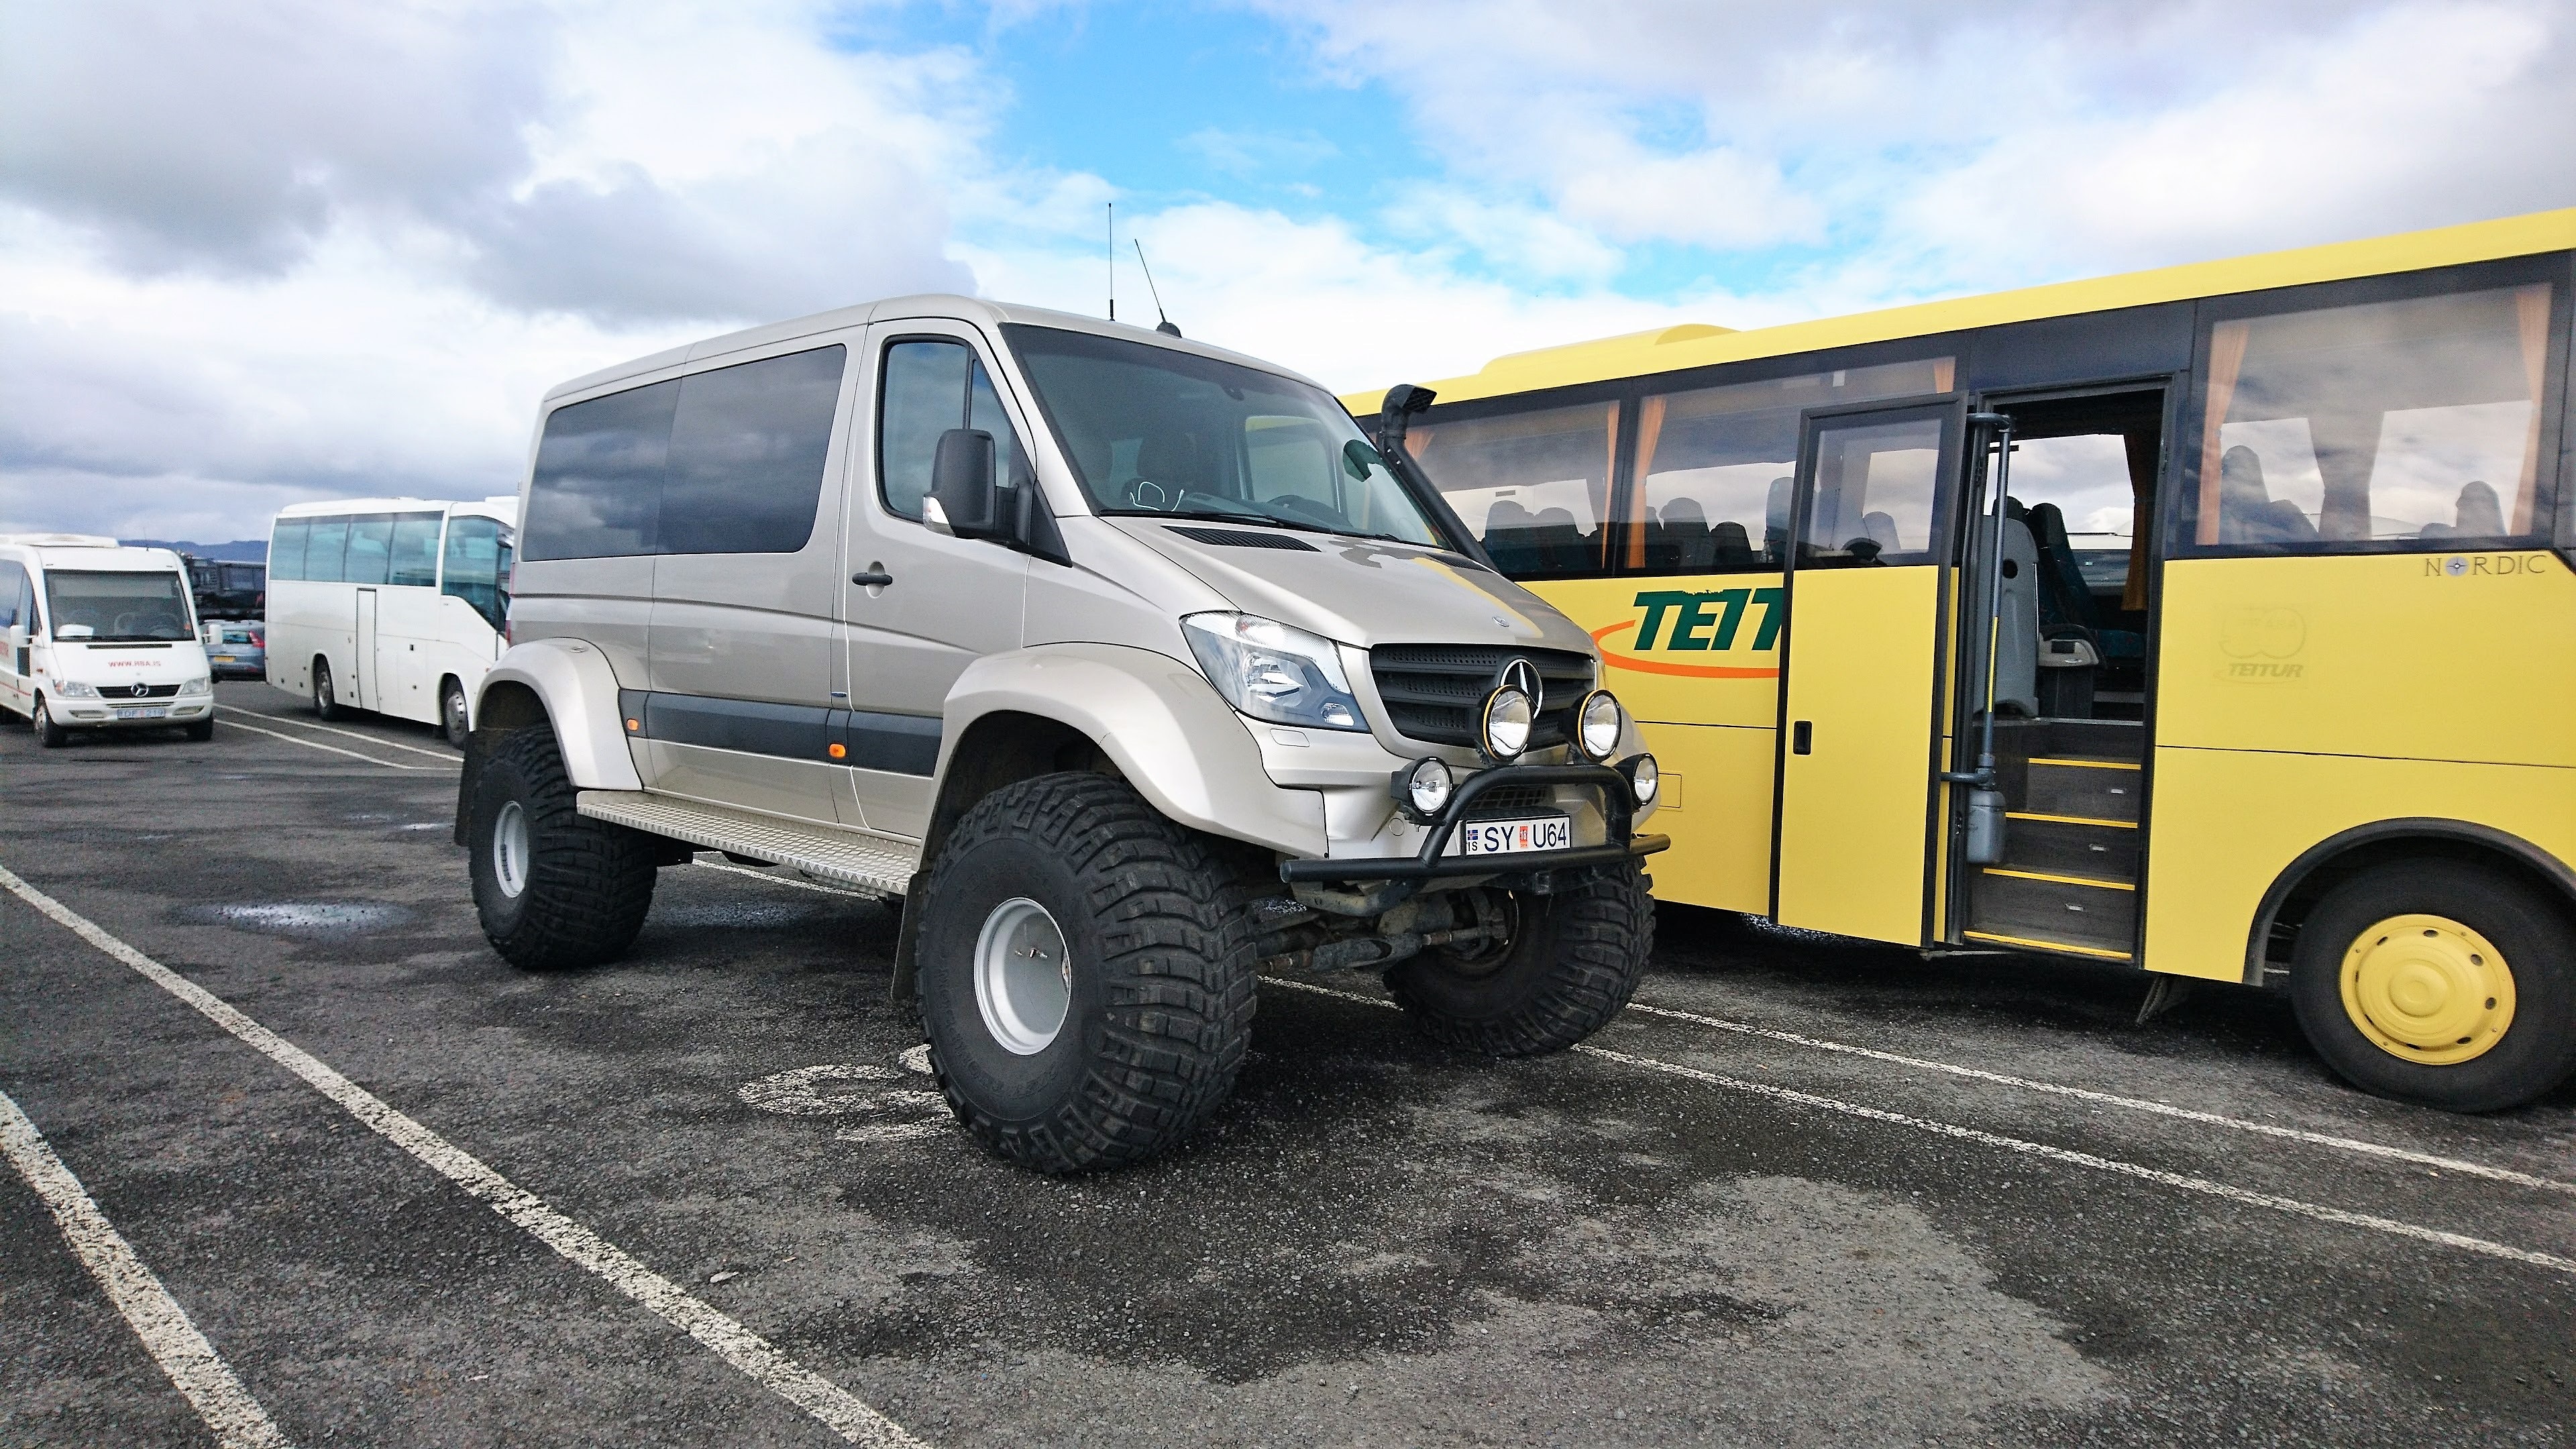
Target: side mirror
(17, 645)
(963, 484)
(1358, 458)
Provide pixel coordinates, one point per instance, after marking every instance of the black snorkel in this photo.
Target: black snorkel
(1394, 415)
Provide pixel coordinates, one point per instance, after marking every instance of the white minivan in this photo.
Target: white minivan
(100, 636)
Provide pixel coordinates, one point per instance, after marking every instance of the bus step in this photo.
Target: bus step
(869, 862)
(2082, 788)
(2053, 910)
(2066, 847)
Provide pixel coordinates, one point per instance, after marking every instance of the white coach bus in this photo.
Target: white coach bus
(395, 605)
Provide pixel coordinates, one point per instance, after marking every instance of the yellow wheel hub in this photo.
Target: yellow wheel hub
(2427, 989)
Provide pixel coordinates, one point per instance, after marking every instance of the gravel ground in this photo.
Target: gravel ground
(1809, 1192)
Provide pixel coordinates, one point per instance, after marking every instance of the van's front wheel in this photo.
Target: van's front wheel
(552, 887)
(49, 731)
(1086, 987)
(1568, 966)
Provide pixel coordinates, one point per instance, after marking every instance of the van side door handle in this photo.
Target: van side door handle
(872, 579)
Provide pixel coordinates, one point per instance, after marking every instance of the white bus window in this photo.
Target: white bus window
(415, 551)
(286, 548)
(2381, 423)
(1716, 463)
(476, 568)
(1532, 486)
(371, 549)
(327, 545)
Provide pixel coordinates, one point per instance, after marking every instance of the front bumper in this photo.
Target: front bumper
(1618, 810)
(91, 714)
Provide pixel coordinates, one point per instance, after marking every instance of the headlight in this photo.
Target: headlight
(1504, 727)
(194, 686)
(74, 689)
(1598, 724)
(1423, 789)
(1272, 672)
(1642, 778)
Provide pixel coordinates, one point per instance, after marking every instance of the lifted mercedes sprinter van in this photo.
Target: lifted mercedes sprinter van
(100, 636)
(1125, 664)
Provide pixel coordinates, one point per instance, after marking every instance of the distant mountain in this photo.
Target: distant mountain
(243, 550)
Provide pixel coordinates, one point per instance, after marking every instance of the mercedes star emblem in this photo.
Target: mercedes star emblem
(1522, 675)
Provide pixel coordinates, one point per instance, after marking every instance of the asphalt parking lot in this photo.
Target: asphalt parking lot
(372, 1185)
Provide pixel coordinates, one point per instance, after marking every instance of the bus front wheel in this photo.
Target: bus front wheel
(326, 700)
(2440, 983)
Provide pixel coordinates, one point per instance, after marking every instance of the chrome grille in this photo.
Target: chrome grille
(1432, 691)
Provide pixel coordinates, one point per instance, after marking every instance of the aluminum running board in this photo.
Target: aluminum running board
(869, 862)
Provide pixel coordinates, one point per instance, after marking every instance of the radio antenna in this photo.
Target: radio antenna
(1165, 325)
(1113, 261)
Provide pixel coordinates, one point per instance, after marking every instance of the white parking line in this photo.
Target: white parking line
(447, 755)
(168, 1334)
(316, 745)
(838, 1409)
(2072, 1158)
(2134, 1104)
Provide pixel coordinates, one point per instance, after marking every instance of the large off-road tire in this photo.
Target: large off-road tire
(49, 730)
(2437, 982)
(1135, 1035)
(554, 888)
(326, 699)
(1569, 966)
(454, 719)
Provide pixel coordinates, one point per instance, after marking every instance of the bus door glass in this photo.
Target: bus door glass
(1859, 739)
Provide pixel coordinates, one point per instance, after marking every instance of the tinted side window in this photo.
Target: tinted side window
(1534, 486)
(2411, 423)
(598, 480)
(371, 548)
(415, 550)
(475, 564)
(286, 548)
(322, 554)
(13, 581)
(928, 388)
(746, 459)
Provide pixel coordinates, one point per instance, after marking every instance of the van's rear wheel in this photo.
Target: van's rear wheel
(326, 700)
(2437, 982)
(1568, 967)
(49, 731)
(553, 887)
(1085, 985)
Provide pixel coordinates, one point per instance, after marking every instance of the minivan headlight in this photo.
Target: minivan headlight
(1272, 672)
(74, 689)
(195, 686)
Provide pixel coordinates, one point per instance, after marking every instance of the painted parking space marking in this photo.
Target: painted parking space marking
(2110, 1099)
(305, 724)
(830, 1404)
(168, 1334)
(2071, 1157)
(316, 745)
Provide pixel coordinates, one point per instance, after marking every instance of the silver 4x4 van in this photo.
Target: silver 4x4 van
(1128, 665)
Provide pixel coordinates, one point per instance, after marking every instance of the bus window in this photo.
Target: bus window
(415, 550)
(327, 547)
(2388, 423)
(286, 548)
(1876, 487)
(371, 547)
(1716, 463)
(1533, 486)
(477, 566)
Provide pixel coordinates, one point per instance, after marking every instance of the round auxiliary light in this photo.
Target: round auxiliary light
(1643, 778)
(1504, 727)
(1598, 725)
(1427, 786)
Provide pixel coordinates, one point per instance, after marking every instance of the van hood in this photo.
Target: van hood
(1362, 592)
(109, 665)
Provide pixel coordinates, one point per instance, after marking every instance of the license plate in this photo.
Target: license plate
(223, 659)
(154, 712)
(1511, 837)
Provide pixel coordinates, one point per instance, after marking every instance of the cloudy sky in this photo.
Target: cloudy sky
(279, 249)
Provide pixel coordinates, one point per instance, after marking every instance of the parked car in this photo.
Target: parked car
(237, 649)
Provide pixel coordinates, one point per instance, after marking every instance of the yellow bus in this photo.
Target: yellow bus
(2216, 622)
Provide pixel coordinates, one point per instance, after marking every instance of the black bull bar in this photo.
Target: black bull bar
(1618, 812)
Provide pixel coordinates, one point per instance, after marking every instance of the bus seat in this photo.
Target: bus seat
(1510, 538)
(2481, 514)
(2247, 511)
(1686, 536)
(1775, 520)
(2065, 600)
(2017, 632)
(1731, 544)
(1881, 529)
(1560, 540)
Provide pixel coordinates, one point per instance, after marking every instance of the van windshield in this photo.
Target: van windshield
(1155, 431)
(108, 607)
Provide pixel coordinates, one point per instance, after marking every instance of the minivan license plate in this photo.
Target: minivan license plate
(156, 712)
(1511, 837)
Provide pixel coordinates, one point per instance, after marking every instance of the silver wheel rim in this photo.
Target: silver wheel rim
(1023, 976)
(456, 715)
(510, 849)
